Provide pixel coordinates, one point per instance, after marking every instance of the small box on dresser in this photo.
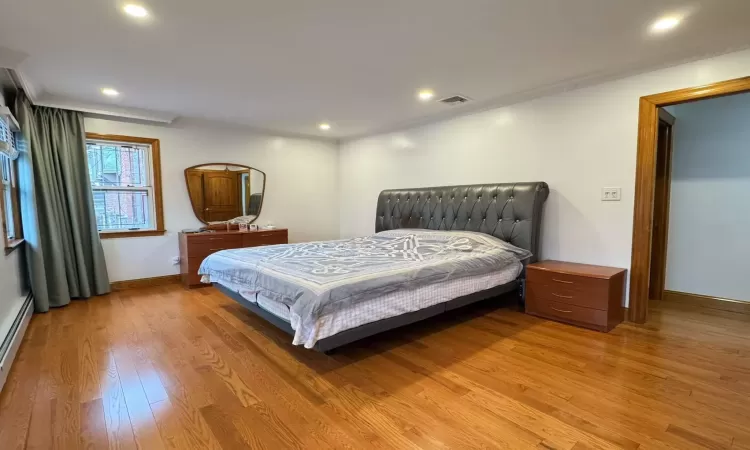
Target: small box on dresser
(195, 247)
(578, 294)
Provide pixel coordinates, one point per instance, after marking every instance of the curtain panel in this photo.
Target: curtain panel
(64, 252)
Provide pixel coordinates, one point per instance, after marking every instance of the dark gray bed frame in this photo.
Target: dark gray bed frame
(509, 211)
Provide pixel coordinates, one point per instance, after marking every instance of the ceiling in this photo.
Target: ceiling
(287, 65)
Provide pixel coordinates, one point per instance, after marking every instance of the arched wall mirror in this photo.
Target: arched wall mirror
(224, 191)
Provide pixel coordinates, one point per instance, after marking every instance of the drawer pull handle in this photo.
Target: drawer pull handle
(215, 249)
(561, 310)
(562, 281)
(562, 296)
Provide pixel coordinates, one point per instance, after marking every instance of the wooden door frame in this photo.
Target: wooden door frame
(645, 181)
(664, 118)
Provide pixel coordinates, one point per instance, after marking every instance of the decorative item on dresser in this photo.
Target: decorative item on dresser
(579, 294)
(195, 247)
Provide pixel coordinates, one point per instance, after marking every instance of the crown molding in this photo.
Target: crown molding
(105, 111)
(186, 121)
(41, 98)
(23, 82)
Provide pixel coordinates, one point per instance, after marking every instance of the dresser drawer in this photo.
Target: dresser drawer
(578, 315)
(231, 240)
(265, 238)
(202, 250)
(194, 262)
(267, 234)
(591, 297)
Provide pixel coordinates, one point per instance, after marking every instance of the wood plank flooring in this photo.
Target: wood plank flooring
(162, 368)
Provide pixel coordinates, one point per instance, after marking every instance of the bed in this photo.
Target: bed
(434, 250)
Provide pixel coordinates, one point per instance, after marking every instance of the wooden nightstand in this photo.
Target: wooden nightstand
(579, 294)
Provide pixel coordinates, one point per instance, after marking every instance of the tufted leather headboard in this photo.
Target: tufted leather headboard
(509, 211)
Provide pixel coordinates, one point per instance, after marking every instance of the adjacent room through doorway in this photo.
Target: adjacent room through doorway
(700, 239)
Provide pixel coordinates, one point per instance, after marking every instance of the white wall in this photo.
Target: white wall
(301, 189)
(709, 215)
(578, 142)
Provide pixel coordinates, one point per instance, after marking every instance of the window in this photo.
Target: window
(126, 184)
(11, 217)
(11, 214)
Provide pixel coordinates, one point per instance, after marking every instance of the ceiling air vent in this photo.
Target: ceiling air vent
(455, 100)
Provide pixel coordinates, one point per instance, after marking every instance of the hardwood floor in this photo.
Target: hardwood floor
(162, 367)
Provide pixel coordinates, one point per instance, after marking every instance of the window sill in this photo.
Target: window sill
(131, 234)
(12, 245)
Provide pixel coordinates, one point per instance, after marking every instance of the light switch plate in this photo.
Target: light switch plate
(611, 194)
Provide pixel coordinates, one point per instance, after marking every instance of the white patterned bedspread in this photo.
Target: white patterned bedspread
(387, 306)
(320, 279)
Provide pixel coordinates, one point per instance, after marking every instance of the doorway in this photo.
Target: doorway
(646, 182)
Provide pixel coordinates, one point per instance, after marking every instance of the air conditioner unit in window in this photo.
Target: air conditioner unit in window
(8, 126)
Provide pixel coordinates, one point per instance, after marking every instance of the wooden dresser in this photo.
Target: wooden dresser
(195, 247)
(579, 294)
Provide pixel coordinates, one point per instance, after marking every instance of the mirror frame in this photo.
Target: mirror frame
(192, 203)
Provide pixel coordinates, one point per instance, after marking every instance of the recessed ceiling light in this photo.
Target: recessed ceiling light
(134, 10)
(425, 94)
(665, 24)
(109, 92)
(325, 126)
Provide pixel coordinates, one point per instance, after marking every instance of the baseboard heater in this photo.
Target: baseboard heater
(12, 341)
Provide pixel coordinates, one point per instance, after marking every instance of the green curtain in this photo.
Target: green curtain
(64, 252)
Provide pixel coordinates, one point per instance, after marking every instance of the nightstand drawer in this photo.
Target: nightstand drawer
(595, 297)
(567, 313)
(568, 282)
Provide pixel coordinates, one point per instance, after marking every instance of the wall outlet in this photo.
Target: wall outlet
(611, 194)
(175, 260)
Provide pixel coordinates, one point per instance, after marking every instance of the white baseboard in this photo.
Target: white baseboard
(17, 332)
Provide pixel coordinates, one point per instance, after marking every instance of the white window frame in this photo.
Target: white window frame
(9, 140)
(6, 166)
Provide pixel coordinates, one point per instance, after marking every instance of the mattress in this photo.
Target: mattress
(383, 307)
